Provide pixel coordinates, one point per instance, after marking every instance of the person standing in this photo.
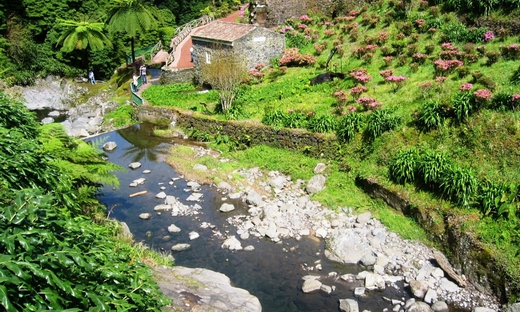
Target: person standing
(91, 77)
(142, 70)
(191, 54)
(135, 82)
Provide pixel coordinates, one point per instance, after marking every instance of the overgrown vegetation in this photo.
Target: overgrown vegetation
(57, 250)
(425, 106)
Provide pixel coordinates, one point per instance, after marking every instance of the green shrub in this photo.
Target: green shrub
(431, 116)
(297, 40)
(380, 121)
(479, 77)
(464, 106)
(274, 118)
(432, 166)
(322, 124)
(494, 198)
(515, 78)
(403, 167)
(348, 126)
(503, 101)
(296, 120)
(459, 185)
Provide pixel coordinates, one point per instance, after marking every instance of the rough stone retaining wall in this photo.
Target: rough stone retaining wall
(246, 132)
(465, 253)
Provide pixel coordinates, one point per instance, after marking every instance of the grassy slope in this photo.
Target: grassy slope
(488, 142)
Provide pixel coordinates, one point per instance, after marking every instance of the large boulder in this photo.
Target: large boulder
(203, 290)
(345, 246)
(316, 184)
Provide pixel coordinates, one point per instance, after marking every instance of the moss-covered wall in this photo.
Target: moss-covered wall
(246, 132)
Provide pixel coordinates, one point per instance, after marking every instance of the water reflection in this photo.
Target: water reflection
(272, 272)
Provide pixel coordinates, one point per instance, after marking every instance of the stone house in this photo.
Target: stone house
(254, 43)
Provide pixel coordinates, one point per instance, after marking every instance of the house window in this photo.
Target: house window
(208, 58)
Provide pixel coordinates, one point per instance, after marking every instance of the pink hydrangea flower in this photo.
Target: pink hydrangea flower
(466, 87)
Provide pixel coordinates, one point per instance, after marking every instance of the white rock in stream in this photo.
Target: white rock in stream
(193, 235)
(146, 171)
(173, 229)
(109, 146)
(180, 247)
(227, 208)
(194, 197)
(161, 195)
(134, 165)
(232, 243)
(145, 216)
(311, 285)
(348, 305)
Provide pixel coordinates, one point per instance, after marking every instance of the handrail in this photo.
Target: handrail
(184, 31)
(136, 98)
(156, 48)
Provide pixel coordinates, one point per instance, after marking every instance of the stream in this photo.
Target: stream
(272, 272)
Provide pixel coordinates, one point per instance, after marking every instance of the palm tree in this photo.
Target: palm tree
(83, 35)
(132, 17)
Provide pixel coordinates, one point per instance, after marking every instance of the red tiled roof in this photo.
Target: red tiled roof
(223, 31)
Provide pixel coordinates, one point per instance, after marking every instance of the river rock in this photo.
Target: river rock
(419, 306)
(348, 305)
(316, 184)
(161, 195)
(109, 146)
(359, 291)
(145, 216)
(514, 307)
(147, 171)
(213, 290)
(440, 306)
(180, 247)
(364, 217)
(47, 120)
(419, 288)
(200, 167)
(249, 248)
(194, 197)
(431, 296)
(173, 229)
(345, 246)
(278, 182)
(125, 230)
(320, 168)
(326, 288)
(368, 259)
(448, 285)
(483, 309)
(162, 208)
(232, 243)
(311, 285)
(224, 186)
(193, 235)
(374, 281)
(253, 198)
(226, 208)
(134, 165)
(54, 113)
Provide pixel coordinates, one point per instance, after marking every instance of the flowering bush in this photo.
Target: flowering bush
(396, 81)
(426, 89)
(511, 51)
(341, 96)
(516, 98)
(360, 76)
(286, 28)
(293, 56)
(383, 37)
(305, 19)
(256, 73)
(301, 26)
(329, 32)
(492, 57)
(440, 79)
(419, 58)
(466, 87)
(447, 65)
(432, 30)
(354, 13)
(483, 95)
(351, 108)
(357, 91)
(386, 73)
(420, 24)
(488, 36)
(448, 46)
(369, 103)
(388, 60)
(259, 66)
(481, 49)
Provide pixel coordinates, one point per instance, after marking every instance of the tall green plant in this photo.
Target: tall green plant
(431, 116)
(464, 106)
(348, 126)
(403, 167)
(431, 168)
(460, 185)
(380, 121)
(322, 123)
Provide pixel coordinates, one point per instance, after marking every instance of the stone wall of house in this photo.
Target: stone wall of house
(260, 46)
(183, 75)
(201, 51)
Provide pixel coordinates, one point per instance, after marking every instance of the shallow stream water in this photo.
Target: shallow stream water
(271, 272)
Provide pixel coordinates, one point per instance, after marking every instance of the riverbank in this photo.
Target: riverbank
(280, 209)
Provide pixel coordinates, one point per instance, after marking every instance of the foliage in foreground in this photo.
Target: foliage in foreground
(52, 255)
